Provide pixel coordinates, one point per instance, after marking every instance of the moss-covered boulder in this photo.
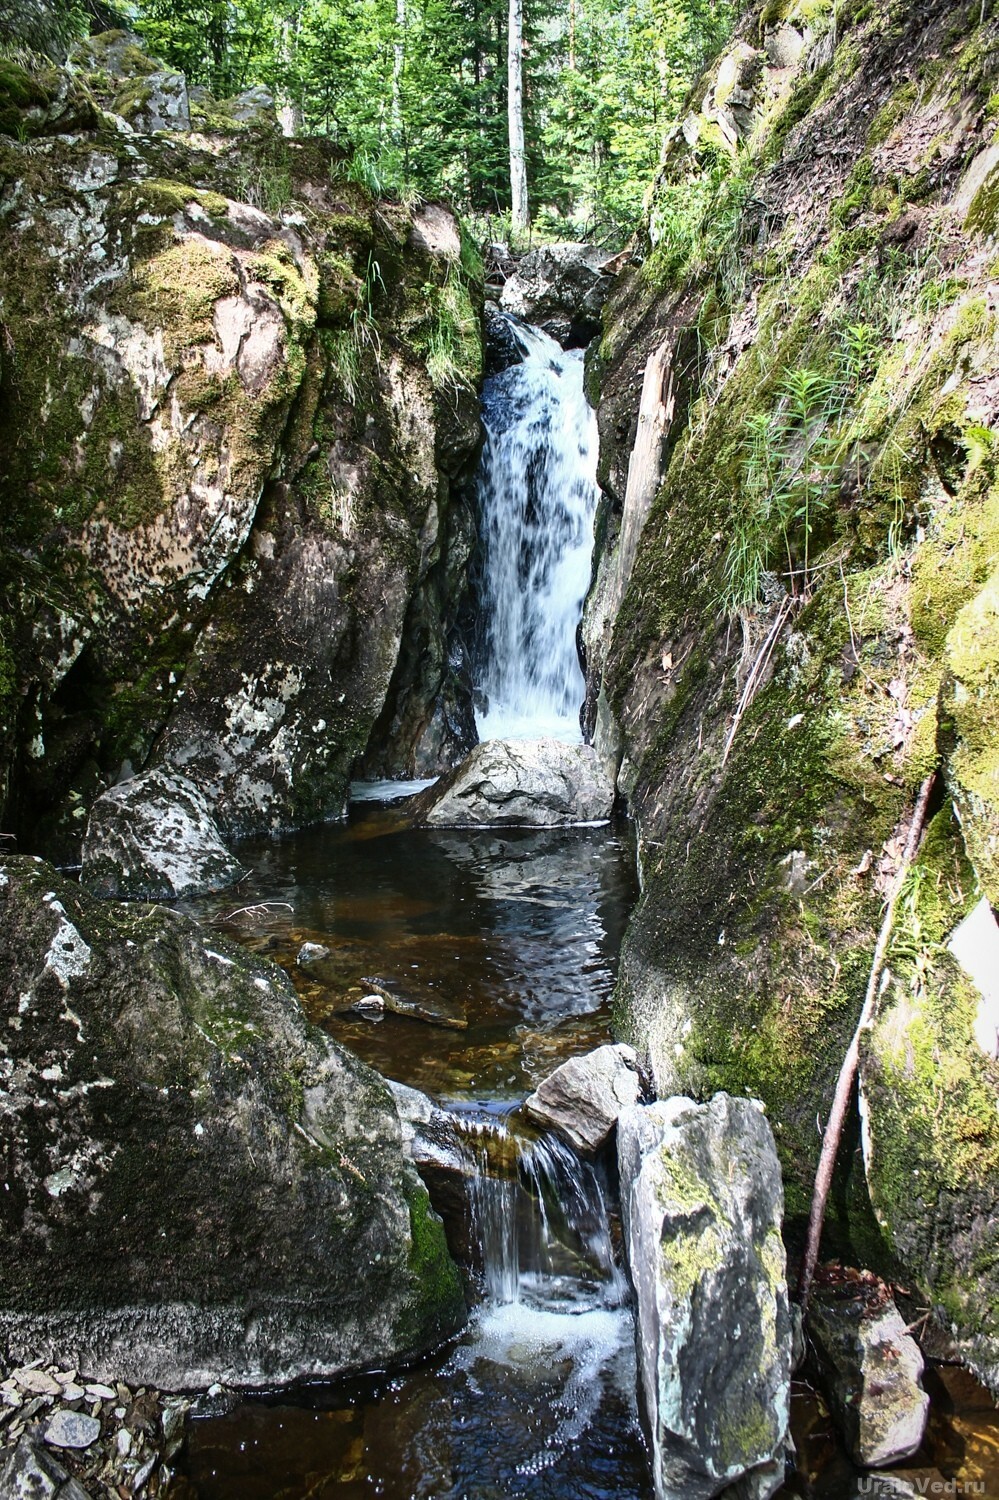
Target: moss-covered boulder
(236, 403)
(701, 1204)
(200, 1186)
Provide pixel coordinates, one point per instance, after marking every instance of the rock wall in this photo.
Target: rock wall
(231, 451)
(793, 615)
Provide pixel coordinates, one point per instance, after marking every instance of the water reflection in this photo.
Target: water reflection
(518, 929)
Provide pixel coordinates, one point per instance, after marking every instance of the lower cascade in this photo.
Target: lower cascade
(537, 494)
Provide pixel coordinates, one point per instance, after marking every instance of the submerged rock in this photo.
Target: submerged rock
(519, 783)
(215, 1189)
(560, 288)
(154, 838)
(418, 1002)
(871, 1368)
(701, 1201)
(583, 1098)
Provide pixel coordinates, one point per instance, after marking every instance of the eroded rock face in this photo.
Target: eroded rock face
(560, 288)
(519, 783)
(154, 838)
(871, 1369)
(701, 1203)
(216, 1191)
(582, 1099)
(230, 489)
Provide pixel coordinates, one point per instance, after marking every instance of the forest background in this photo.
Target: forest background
(416, 91)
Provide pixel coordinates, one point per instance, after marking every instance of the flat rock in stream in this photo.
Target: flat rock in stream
(418, 1003)
(519, 783)
(582, 1100)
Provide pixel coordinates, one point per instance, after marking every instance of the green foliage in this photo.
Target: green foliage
(415, 91)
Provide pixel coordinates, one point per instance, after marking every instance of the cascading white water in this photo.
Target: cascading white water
(537, 497)
(539, 1217)
(555, 1310)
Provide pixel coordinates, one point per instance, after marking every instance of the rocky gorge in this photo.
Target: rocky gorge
(242, 552)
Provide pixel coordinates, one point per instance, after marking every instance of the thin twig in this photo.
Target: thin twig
(848, 1071)
(759, 666)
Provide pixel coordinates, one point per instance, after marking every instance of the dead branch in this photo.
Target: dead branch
(848, 1071)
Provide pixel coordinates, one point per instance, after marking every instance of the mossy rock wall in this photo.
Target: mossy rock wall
(809, 625)
(228, 465)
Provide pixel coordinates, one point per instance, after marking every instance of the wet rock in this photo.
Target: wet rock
(871, 1368)
(311, 954)
(583, 1098)
(429, 1135)
(31, 1473)
(419, 1002)
(154, 838)
(503, 348)
(156, 1083)
(72, 1429)
(701, 1201)
(369, 1005)
(560, 288)
(519, 783)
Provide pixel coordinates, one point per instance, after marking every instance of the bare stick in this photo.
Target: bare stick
(848, 1071)
(759, 666)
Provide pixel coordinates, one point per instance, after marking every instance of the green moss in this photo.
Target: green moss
(19, 91)
(686, 1257)
(753, 1434)
(949, 568)
(679, 1185)
(161, 195)
(891, 114)
(437, 1304)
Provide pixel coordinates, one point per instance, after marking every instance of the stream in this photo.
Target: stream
(508, 941)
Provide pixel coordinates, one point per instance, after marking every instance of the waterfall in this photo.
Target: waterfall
(539, 1217)
(537, 496)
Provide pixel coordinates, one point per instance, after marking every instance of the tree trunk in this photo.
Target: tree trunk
(520, 218)
(398, 62)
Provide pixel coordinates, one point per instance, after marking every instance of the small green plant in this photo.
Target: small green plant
(791, 462)
(451, 342)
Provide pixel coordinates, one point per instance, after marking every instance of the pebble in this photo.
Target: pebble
(97, 1392)
(37, 1382)
(73, 1392)
(72, 1429)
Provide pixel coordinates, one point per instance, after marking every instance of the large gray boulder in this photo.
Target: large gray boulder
(560, 288)
(520, 783)
(871, 1368)
(154, 838)
(582, 1100)
(201, 1186)
(701, 1201)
